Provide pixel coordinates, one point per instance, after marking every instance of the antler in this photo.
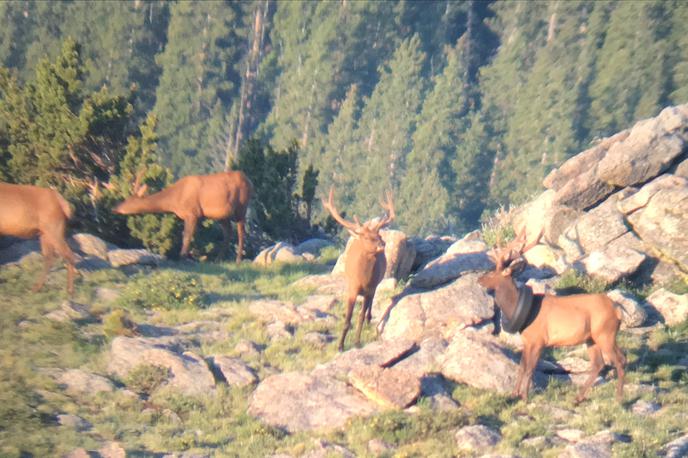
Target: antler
(329, 205)
(513, 250)
(389, 207)
(138, 189)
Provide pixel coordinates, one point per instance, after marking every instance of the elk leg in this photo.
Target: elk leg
(48, 256)
(367, 304)
(241, 232)
(596, 365)
(519, 377)
(68, 256)
(533, 357)
(617, 358)
(369, 311)
(225, 226)
(351, 301)
(619, 363)
(189, 230)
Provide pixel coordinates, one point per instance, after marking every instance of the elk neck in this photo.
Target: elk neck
(506, 297)
(160, 202)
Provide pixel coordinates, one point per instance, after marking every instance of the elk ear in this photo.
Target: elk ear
(516, 267)
(142, 191)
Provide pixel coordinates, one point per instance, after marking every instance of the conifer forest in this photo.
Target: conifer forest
(458, 107)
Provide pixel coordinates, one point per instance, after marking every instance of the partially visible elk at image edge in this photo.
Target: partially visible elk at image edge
(29, 211)
(365, 262)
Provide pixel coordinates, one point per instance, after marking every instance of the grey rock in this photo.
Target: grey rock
(658, 213)
(429, 248)
(476, 438)
(325, 449)
(459, 304)
(449, 267)
(378, 447)
(81, 382)
(74, 422)
(650, 149)
(89, 245)
(480, 361)
(587, 450)
(391, 388)
(126, 257)
(112, 450)
(302, 402)
(677, 448)
(633, 314)
(582, 162)
(594, 230)
(234, 371)
(642, 407)
(277, 330)
(188, 372)
(614, 262)
(313, 246)
(672, 307)
(107, 295)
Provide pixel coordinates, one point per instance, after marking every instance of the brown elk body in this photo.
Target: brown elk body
(30, 211)
(365, 264)
(561, 321)
(220, 196)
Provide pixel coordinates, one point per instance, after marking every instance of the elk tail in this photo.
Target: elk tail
(66, 208)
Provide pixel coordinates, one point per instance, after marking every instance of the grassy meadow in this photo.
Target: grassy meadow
(158, 420)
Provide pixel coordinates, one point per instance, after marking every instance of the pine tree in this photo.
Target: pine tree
(340, 149)
(471, 169)
(679, 52)
(58, 134)
(631, 82)
(159, 233)
(423, 203)
(388, 120)
(541, 131)
(197, 85)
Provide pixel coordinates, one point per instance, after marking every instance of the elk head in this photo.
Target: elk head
(368, 234)
(130, 205)
(508, 260)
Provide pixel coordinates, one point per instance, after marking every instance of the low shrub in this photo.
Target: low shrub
(118, 323)
(146, 378)
(574, 282)
(164, 289)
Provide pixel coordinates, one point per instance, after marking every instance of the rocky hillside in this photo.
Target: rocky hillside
(255, 372)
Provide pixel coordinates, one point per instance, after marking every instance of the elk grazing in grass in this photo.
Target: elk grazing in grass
(555, 321)
(30, 211)
(220, 196)
(365, 263)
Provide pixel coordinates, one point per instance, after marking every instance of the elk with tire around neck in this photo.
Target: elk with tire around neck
(29, 211)
(559, 321)
(222, 196)
(365, 262)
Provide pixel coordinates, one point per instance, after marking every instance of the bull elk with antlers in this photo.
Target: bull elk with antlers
(220, 196)
(30, 211)
(365, 262)
(554, 321)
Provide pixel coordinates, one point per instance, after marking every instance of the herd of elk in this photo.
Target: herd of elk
(556, 321)
(30, 211)
(365, 262)
(222, 196)
(552, 321)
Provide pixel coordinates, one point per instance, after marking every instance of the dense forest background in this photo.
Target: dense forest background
(459, 107)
